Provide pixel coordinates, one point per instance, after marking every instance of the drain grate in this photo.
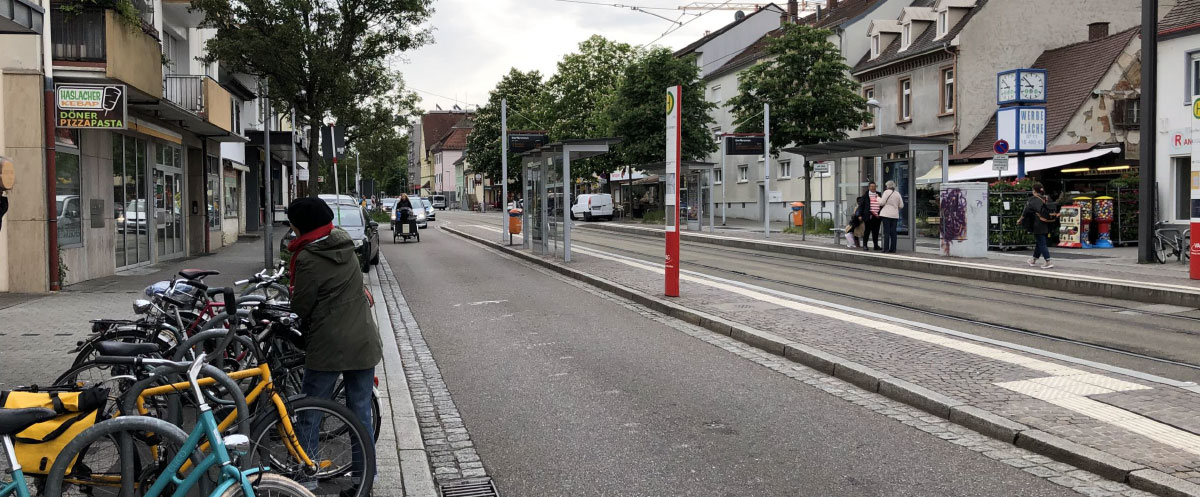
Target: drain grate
(477, 487)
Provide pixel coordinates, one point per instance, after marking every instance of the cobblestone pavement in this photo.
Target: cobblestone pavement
(1139, 421)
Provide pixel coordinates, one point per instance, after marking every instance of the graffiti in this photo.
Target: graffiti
(954, 218)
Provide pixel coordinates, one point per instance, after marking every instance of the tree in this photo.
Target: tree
(316, 55)
(638, 114)
(523, 91)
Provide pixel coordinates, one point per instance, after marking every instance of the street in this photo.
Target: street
(565, 391)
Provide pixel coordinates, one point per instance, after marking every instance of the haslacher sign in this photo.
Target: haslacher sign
(82, 106)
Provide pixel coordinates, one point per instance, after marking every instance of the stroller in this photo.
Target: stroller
(404, 225)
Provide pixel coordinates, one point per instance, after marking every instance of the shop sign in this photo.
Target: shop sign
(1180, 142)
(1068, 228)
(81, 106)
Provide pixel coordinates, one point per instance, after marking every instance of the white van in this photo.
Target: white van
(593, 206)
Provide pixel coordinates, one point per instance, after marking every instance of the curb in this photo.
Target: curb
(414, 469)
(962, 268)
(955, 410)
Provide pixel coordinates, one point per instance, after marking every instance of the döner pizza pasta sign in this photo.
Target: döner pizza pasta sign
(84, 106)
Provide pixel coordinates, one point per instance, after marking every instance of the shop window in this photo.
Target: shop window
(214, 194)
(131, 243)
(1183, 185)
(67, 190)
(231, 196)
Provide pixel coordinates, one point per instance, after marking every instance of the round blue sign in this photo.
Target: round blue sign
(1001, 147)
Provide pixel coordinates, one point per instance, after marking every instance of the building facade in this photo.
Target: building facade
(1178, 84)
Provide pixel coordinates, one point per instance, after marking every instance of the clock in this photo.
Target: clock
(1033, 86)
(1006, 87)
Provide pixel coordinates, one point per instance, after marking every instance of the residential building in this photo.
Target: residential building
(446, 153)
(432, 127)
(1178, 84)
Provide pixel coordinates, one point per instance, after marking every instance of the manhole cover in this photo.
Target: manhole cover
(479, 487)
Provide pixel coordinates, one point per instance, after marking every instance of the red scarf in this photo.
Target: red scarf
(297, 244)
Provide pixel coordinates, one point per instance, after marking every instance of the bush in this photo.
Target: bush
(381, 217)
(654, 216)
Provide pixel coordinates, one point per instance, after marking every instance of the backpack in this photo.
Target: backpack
(38, 446)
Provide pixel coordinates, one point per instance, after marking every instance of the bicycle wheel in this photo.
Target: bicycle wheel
(116, 378)
(339, 396)
(339, 432)
(126, 470)
(1160, 252)
(268, 485)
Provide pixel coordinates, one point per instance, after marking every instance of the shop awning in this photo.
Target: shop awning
(1033, 163)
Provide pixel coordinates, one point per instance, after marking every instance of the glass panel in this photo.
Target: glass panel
(178, 210)
(1183, 193)
(118, 201)
(899, 172)
(68, 199)
(141, 187)
(160, 209)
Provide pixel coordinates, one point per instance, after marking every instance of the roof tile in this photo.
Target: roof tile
(1184, 16)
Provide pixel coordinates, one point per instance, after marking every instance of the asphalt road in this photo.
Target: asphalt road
(566, 393)
(1124, 325)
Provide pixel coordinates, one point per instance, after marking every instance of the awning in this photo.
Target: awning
(1033, 163)
(166, 110)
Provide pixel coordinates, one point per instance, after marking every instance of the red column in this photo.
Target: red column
(674, 151)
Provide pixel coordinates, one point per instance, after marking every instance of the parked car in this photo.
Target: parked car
(388, 204)
(430, 208)
(439, 202)
(352, 219)
(593, 206)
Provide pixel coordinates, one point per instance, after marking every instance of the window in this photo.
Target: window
(214, 194)
(67, 190)
(716, 92)
(874, 46)
(743, 173)
(906, 37)
(948, 90)
(1133, 112)
(232, 205)
(1195, 76)
(785, 169)
(905, 106)
(718, 176)
(941, 23)
(236, 105)
(1183, 192)
(869, 93)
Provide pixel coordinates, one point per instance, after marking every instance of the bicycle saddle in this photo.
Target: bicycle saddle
(197, 274)
(13, 421)
(126, 349)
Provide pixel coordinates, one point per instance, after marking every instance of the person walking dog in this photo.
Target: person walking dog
(340, 337)
(890, 203)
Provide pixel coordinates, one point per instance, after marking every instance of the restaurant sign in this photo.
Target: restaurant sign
(83, 106)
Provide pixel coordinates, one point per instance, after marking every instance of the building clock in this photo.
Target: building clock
(1033, 86)
(1006, 87)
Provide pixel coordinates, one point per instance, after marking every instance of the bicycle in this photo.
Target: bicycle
(232, 481)
(13, 421)
(1170, 242)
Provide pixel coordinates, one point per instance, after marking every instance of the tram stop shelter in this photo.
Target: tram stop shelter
(544, 173)
(902, 159)
(695, 192)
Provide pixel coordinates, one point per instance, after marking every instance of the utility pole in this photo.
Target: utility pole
(268, 252)
(766, 170)
(1149, 132)
(295, 170)
(503, 171)
(724, 203)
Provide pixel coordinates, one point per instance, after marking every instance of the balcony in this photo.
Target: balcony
(201, 95)
(100, 39)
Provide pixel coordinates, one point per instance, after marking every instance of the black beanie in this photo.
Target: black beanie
(307, 214)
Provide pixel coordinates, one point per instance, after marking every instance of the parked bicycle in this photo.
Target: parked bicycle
(1171, 242)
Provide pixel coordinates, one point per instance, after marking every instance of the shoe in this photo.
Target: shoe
(1032, 262)
(1048, 265)
(877, 247)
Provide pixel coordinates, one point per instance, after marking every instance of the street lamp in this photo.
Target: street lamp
(874, 104)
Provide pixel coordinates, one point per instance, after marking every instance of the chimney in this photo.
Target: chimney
(1097, 30)
(793, 10)
(832, 4)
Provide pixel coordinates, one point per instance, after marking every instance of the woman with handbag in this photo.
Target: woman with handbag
(890, 203)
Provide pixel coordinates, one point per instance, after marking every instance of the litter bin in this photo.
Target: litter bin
(514, 221)
(797, 214)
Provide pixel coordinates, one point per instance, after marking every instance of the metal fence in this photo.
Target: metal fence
(78, 37)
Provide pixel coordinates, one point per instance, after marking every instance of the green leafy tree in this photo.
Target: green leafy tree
(523, 91)
(638, 113)
(316, 55)
(805, 81)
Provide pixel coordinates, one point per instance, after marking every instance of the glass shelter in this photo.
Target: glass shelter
(544, 172)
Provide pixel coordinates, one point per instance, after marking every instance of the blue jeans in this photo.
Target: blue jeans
(889, 234)
(1041, 250)
(358, 398)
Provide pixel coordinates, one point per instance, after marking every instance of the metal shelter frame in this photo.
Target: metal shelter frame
(879, 146)
(565, 151)
(688, 167)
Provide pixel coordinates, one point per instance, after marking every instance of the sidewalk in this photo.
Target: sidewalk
(1129, 427)
(40, 330)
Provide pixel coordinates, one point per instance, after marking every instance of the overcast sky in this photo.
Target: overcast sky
(477, 41)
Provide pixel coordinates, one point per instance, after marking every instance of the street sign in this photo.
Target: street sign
(1001, 147)
(743, 145)
(83, 106)
(328, 143)
(524, 142)
(1000, 162)
(822, 168)
(320, 179)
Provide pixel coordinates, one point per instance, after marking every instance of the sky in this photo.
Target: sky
(475, 42)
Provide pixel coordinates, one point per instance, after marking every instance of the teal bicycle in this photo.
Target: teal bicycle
(12, 422)
(159, 437)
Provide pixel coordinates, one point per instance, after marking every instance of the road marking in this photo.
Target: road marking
(483, 302)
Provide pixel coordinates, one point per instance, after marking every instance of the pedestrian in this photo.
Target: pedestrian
(856, 228)
(869, 207)
(890, 203)
(340, 337)
(1037, 219)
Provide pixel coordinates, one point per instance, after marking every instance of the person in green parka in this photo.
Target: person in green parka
(340, 337)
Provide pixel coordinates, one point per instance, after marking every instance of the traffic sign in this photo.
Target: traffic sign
(1001, 147)
(1000, 162)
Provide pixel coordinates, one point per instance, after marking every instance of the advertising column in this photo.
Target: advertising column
(1194, 245)
(674, 128)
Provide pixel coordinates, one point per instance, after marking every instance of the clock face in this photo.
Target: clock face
(1033, 86)
(1007, 86)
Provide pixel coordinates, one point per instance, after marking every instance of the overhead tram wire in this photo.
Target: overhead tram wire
(689, 21)
(635, 8)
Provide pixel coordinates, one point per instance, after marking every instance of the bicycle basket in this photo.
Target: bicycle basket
(37, 446)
